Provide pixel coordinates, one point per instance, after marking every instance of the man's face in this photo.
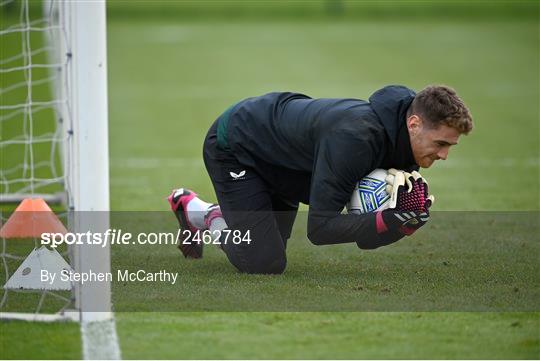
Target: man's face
(430, 144)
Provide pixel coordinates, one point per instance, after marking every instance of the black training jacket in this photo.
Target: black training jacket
(329, 144)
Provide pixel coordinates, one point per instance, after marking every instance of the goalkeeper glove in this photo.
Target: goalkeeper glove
(408, 191)
(409, 203)
(405, 223)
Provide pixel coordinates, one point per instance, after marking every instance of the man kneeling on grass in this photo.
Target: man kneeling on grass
(266, 154)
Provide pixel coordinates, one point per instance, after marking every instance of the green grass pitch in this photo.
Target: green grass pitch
(168, 81)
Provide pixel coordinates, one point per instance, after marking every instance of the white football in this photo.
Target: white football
(370, 194)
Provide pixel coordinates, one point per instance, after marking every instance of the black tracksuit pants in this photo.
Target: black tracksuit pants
(263, 201)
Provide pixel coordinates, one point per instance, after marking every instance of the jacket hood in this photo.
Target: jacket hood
(390, 104)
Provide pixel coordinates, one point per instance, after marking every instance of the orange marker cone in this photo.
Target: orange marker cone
(32, 218)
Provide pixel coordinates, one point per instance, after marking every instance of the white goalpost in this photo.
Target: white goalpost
(54, 144)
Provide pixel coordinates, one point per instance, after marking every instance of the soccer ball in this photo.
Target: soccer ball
(370, 194)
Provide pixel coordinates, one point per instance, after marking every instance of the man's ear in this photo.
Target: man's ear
(414, 124)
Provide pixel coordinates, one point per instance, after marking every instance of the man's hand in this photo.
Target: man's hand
(408, 191)
(409, 203)
(405, 223)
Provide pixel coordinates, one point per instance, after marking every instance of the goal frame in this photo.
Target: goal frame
(85, 152)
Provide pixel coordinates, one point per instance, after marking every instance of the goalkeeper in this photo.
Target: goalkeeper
(267, 154)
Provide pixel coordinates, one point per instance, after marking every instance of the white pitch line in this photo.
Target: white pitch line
(156, 162)
(149, 163)
(507, 162)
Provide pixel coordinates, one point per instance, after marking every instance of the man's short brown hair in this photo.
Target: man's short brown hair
(439, 104)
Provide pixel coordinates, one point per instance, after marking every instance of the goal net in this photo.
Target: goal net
(32, 114)
(54, 153)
